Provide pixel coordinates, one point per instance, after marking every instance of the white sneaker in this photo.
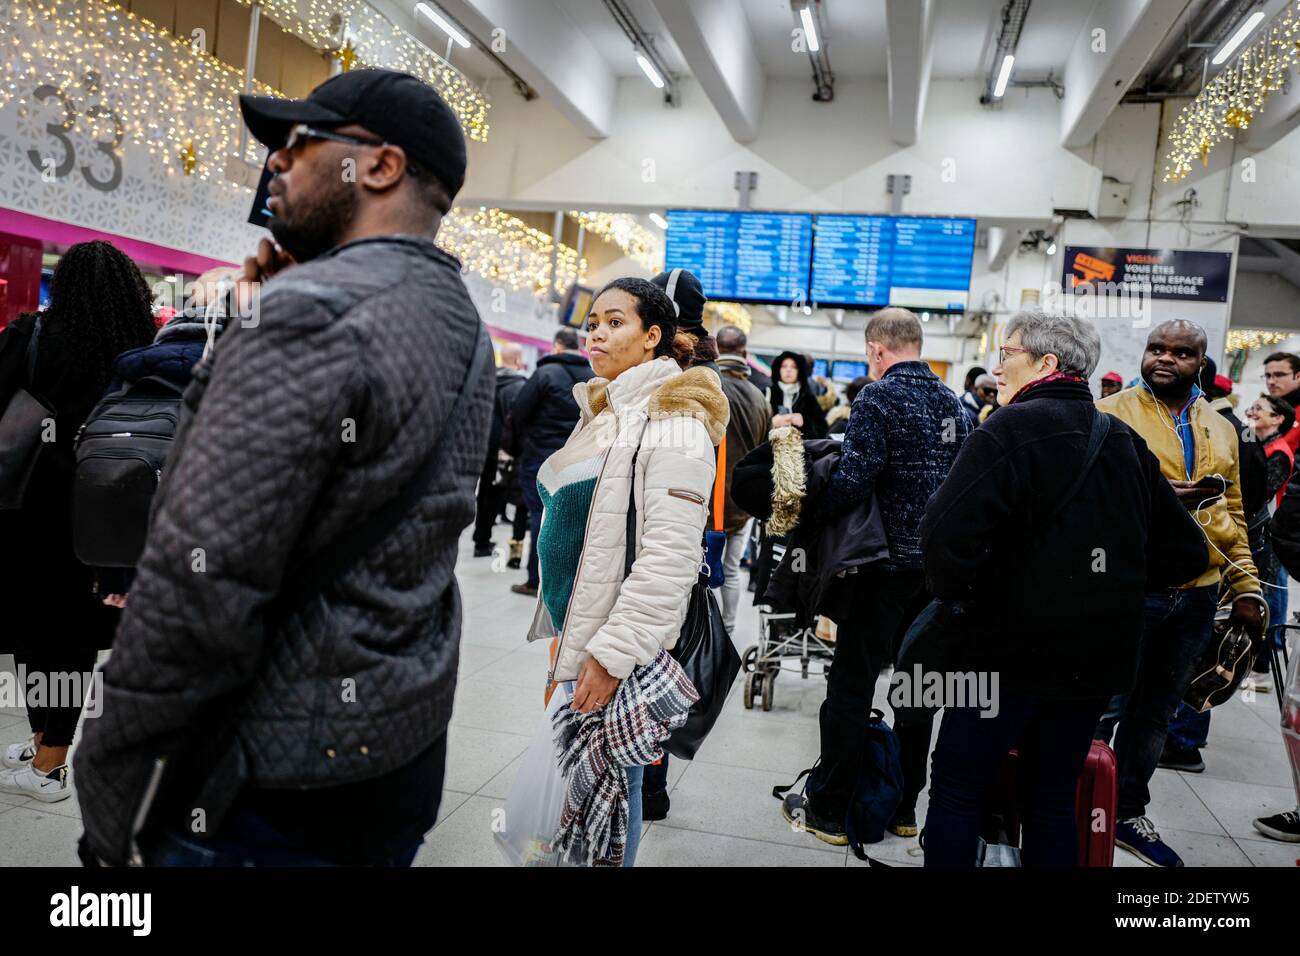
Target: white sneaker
(18, 755)
(30, 782)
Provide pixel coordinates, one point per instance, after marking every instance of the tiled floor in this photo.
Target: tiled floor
(723, 813)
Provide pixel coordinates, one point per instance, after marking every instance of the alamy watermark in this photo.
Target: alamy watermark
(53, 689)
(931, 690)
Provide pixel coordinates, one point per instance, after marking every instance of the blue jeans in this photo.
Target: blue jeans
(248, 840)
(1179, 625)
(533, 499)
(1053, 738)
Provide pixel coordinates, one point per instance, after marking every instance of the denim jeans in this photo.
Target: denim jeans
(1179, 625)
(1188, 730)
(1053, 739)
(533, 501)
(248, 840)
(731, 555)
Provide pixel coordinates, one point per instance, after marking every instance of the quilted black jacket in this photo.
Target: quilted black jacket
(310, 420)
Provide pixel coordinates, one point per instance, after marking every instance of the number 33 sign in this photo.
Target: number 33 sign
(110, 148)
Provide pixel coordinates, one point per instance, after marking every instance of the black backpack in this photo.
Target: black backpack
(120, 452)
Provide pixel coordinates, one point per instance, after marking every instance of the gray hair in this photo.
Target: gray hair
(1075, 343)
(986, 381)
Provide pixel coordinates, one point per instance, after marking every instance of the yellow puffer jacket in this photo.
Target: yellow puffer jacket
(1215, 449)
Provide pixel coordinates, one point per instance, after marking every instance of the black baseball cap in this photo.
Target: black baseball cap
(397, 107)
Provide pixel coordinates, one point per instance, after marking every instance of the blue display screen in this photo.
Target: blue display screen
(820, 367)
(848, 371)
(748, 256)
(911, 261)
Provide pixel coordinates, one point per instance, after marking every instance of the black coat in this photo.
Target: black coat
(805, 580)
(544, 411)
(805, 403)
(48, 595)
(1057, 601)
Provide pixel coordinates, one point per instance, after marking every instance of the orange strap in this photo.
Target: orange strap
(720, 485)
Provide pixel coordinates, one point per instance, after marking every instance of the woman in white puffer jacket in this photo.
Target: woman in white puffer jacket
(650, 429)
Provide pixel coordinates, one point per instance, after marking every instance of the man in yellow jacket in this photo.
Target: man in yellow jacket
(1197, 450)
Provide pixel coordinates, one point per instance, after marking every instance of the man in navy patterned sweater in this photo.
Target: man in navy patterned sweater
(904, 431)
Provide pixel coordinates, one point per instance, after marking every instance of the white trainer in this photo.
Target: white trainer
(18, 755)
(29, 782)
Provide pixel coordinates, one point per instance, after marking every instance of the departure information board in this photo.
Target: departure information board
(911, 261)
(840, 260)
(749, 256)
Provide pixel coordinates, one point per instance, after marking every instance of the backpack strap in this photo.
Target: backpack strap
(780, 792)
(31, 354)
(355, 543)
(1096, 437)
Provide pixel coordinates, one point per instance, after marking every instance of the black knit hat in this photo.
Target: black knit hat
(687, 296)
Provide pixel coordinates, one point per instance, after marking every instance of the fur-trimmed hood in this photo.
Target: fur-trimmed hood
(665, 390)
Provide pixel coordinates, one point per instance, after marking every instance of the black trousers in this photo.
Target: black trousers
(881, 598)
(58, 724)
(492, 500)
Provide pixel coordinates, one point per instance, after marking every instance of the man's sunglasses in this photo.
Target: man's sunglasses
(302, 132)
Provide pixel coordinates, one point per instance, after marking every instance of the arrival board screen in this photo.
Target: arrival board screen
(916, 262)
(753, 256)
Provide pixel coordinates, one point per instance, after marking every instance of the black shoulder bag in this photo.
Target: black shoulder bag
(703, 649)
(206, 770)
(21, 426)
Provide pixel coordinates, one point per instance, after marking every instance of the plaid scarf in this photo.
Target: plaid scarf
(594, 748)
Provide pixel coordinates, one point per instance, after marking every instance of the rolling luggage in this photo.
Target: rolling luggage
(1096, 800)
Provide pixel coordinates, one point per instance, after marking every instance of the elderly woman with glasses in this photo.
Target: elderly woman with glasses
(1049, 530)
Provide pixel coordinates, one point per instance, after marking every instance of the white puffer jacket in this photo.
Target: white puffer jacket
(675, 419)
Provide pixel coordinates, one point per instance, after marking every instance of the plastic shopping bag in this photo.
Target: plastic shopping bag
(532, 813)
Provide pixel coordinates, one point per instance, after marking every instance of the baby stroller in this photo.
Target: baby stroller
(783, 635)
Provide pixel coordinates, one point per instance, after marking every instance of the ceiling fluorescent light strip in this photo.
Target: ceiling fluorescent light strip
(441, 22)
(1004, 75)
(1238, 38)
(809, 28)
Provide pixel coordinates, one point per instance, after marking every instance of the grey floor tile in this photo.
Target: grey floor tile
(31, 838)
(1235, 804)
(451, 800)
(1247, 761)
(666, 846)
(489, 705)
(733, 801)
(747, 740)
(1265, 852)
(1175, 804)
(525, 668)
(464, 837)
(476, 756)
(479, 657)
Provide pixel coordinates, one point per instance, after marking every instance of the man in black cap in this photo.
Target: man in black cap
(291, 641)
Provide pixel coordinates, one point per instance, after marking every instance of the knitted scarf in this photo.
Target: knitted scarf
(594, 748)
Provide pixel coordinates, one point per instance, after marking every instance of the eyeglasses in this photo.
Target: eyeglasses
(302, 132)
(1004, 350)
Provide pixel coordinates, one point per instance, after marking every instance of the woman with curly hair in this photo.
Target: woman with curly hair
(615, 584)
(99, 307)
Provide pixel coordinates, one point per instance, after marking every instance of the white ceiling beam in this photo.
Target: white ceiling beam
(555, 58)
(1112, 48)
(910, 51)
(714, 37)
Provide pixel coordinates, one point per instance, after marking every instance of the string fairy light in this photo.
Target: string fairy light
(108, 76)
(718, 314)
(622, 229)
(1236, 95)
(501, 248)
(1248, 340)
(373, 40)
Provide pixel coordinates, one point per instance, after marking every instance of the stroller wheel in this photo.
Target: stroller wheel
(769, 682)
(748, 689)
(751, 656)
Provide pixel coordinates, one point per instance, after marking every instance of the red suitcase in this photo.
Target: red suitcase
(1095, 803)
